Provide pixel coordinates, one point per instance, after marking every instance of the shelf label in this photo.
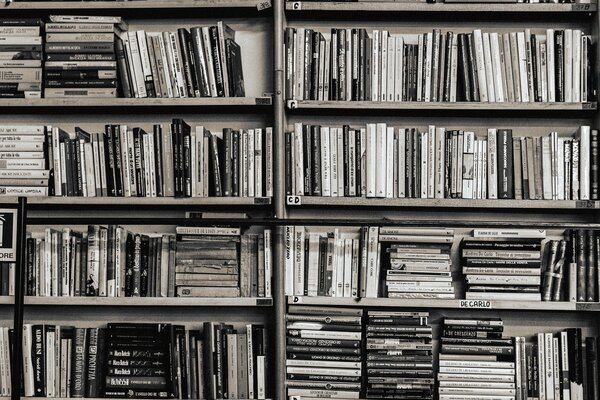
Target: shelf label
(263, 101)
(264, 302)
(588, 106)
(261, 200)
(8, 235)
(474, 304)
(585, 204)
(294, 200)
(581, 7)
(263, 5)
(297, 5)
(296, 299)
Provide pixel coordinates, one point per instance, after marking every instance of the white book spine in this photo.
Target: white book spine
(440, 162)
(549, 361)
(325, 162)
(398, 70)
(391, 68)
(424, 138)
(584, 162)
(489, 72)
(431, 142)
(421, 59)
(299, 261)
(333, 156)
(384, 65)
(340, 160)
(541, 366)
(371, 160)
(389, 182)
(480, 65)
(428, 65)
(568, 65)
(454, 69)
(522, 57)
(492, 165)
(289, 246)
(576, 80)
(380, 160)
(401, 163)
(497, 67)
(298, 157)
(550, 64)
(375, 65)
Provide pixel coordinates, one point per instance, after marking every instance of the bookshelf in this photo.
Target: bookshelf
(261, 26)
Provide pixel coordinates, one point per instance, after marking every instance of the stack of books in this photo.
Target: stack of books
(353, 65)
(222, 262)
(381, 161)
(399, 355)
(200, 62)
(475, 362)
(179, 161)
(561, 365)
(80, 56)
(582, 272)
(20, 58)
(6, 343)
(324, 352)
(418, 262)
(23, 166)
(7, 278)
(503, 268)
(111, 261)
(144, 360)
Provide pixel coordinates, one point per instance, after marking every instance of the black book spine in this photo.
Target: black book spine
(137, 142)
(447, 65)
(181, 159)
(593, 371)
(591, 262)
(176, 156)
(409, 163)
(359, 167)
(314, 71)
(76, 167)
(362, 60)
(472, 68)
(227, 162)
(581, 265)
(214, 140)
(187, 159)
(118, 162)
(316, 159)
(92, 388)
(341, 56)
(235, 164)
(145, 253)
(537, 91)
(30, 267)
(110, 162)
(405, 57)
(190, 76)
(416, 164)
(559, 61)
(158, 156)
(124, 81)
(333, 84)
(346, 154)
(38, 358)
(322, 265)
(288, 38)
(505, 164)
(448, 164)
(288, 163)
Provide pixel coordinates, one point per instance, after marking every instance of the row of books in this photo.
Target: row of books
(505, 269)
(382, 161)
(7, 278)
(20, 60)
(399, 355)
(130, 162)
(145, 360)
(200, 62)
(115, 262)
(420, 263)
(352, 65)
(323, 352)
(475, 361)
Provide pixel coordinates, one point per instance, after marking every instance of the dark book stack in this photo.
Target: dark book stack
(323, 352)
(20, 58)
(222, 262)
(399, 356)
(105, 261)
(417, 262)
(475, 361)
(504, 268)
(353, 65)
(381, 161)
(200, 62)
(562, 365)
(141, 360)
(80, 56)
(580, 276)
(180, 162)
(235, 363)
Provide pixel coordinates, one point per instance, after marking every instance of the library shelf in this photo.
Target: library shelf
(147, 201)
(227, 103)
(129, 5)
(444, 106)
(393, 6)
(149, 301)
(440, 203)
(446, 304)
(7, 300)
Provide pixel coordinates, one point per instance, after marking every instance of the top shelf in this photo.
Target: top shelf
(403, 6)
(134, 5)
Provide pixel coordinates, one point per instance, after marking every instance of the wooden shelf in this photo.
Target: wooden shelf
(228, 104)
(7, 300)
(127, 5)
(440, 203)
(147, 201)
(149, 301)
(447, 304)
(401, 6)
(421, 105)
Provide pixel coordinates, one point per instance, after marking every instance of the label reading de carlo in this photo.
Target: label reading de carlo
(474, 304)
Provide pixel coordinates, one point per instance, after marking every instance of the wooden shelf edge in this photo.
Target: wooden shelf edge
(400, 6)
(148, 201)
(7, 300)
(125, 5)
(297, 201)
(447, 304)
(134, 102)
(421, 105)
(150, 301)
